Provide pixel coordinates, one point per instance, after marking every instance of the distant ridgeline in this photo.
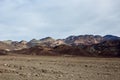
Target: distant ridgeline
(82, 45)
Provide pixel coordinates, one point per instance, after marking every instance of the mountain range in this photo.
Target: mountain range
(85, 45)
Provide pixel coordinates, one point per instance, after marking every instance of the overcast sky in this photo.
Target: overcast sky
(27, 19)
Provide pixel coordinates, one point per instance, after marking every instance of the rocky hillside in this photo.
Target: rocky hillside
(104, 49)
(82, 45)
(84, 39)
(48, 41)
(6, 46)
(13, 45)
(111, 37)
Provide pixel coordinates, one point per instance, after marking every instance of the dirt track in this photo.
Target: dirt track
(58, 68)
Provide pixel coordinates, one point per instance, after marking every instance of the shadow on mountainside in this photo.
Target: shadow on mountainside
(108, 48)
(104, 49)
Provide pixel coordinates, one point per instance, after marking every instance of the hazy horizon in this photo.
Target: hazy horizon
(28, 19)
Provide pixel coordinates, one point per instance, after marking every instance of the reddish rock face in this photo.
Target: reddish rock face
(84, 39)
(83, 45)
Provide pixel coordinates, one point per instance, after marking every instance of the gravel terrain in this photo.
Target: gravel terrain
(58, 68)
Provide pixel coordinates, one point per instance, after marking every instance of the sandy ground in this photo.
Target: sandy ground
(58, 68)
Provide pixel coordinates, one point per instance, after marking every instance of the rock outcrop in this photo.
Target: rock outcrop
(82, 45)
(83, 39)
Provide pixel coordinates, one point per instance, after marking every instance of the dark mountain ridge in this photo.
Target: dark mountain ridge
(82, 45)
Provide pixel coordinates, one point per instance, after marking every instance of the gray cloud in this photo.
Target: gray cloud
(26, 19)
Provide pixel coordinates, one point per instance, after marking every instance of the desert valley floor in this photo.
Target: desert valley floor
(58, 68)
